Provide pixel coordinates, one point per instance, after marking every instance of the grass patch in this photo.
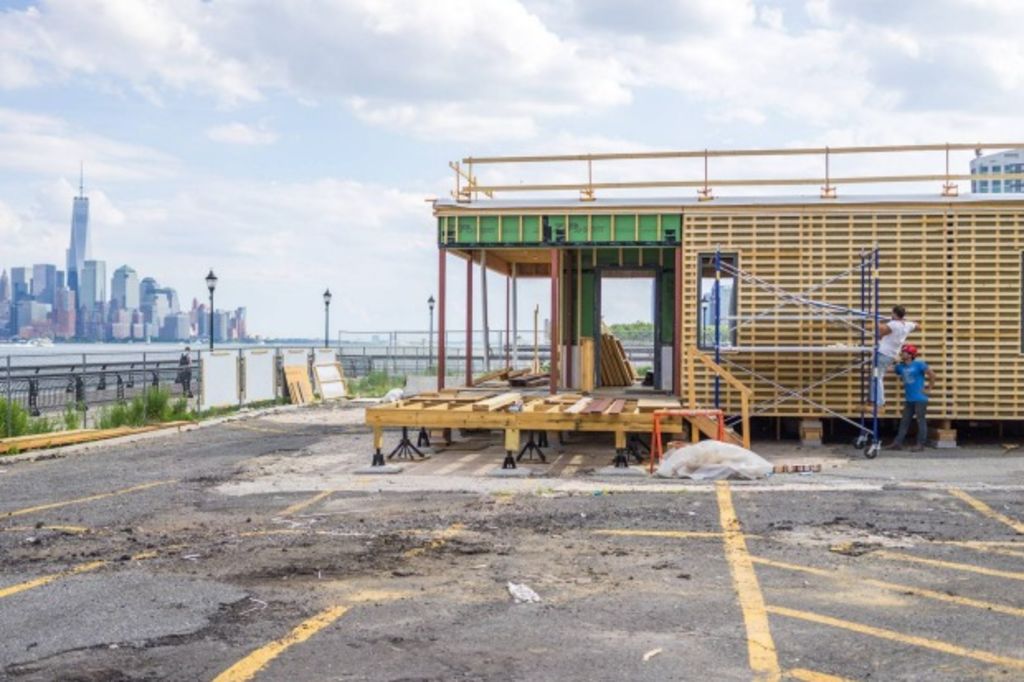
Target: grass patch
(15, 421)
(374, 385)
(154, 407)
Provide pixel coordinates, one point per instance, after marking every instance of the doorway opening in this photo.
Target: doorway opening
(627, 305)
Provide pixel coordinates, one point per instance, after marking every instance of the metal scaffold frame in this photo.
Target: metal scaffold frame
(862, 322)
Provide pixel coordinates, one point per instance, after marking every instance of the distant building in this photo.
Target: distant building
(240, 327)
(221, 325)
(1011, 161)
(124, 288)
(92, 289)
(19, 284)
(5, 287)
(32, 314)
(176, 327)
(64, 314)
(44, 283)
(78, 250)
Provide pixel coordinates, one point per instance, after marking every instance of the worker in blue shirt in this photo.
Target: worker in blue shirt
(917, 379)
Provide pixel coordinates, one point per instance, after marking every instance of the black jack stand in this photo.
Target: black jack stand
(405, 448)
(534, 445)
(510, 460)
(423, 439)
(622, 458)
(637, 446)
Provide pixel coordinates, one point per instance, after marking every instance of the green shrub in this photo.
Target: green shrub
(72, 418)
(375, 384)
(19, 421)
(158, 405)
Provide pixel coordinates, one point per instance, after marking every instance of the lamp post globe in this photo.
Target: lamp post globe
(211, 284)
(327, 317)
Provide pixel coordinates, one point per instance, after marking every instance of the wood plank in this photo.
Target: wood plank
(579, 406)
(598, 405)
(616, 407)
(647, 405)
(497, 402)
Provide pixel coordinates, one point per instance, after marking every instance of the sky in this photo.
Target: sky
(293, 146)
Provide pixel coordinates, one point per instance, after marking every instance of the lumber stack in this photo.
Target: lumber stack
(615, 368)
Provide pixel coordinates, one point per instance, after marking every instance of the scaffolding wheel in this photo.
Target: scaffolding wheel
(861, 442)
(871, 451)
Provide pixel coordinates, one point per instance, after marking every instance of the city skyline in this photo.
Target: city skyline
(74, 304)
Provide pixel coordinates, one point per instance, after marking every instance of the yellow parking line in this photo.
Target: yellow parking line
(986, 510)
(896, 587)
(760, 645)
(448, 468)
(626, 532)
(812, 676)
(47, 579)
(984, 548)
(299, 506)
(439, 540)
(969, 568)
(893, 636)
(247, 668)
(77, 530)
(78, 500)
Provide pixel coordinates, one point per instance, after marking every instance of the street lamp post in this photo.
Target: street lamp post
(430, 338)
(211, 284)
(327, 317)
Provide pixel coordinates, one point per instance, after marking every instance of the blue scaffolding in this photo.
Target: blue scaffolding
(861, 322)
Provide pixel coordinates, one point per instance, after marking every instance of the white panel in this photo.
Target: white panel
(259, 375)
(324, 356)
(666, 368)
(328, 378)
(219, 371)
(295, 357)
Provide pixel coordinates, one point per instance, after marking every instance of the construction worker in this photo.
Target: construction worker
(894, 334)
(917, 384)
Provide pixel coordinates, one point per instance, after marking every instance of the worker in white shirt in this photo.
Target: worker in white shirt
(894, 333)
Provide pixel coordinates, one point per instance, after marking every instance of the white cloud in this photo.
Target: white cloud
(242, 133)
(50, 146)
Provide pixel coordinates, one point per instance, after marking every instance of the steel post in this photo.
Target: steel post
(469, 321)
(554, 340)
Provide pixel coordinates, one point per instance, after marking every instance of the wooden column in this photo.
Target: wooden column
(469, 320)
(508, 320)
(567, 289)
(677, 328)
(441, 349)
(555, 315)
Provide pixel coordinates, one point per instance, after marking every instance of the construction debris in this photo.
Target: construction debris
(522, 594)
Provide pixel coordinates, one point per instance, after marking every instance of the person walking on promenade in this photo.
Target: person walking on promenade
(185, 371)
(917, 384)
(894, 334)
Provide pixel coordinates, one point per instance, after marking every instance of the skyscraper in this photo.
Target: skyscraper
(92, 289)
(44, 283)
(124, 288)
(79, 250)
(5, 287)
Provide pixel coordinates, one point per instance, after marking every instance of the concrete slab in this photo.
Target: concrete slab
(635, 472)
(386, 469)
(518, 472)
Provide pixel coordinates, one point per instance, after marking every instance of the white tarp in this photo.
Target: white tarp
(219, 374)
(324, 356)
(259, 375)
(295, 357)
(711, 460)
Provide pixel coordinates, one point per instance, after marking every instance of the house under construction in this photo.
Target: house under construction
(765, 305)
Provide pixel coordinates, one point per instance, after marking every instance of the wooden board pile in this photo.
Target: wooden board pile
(615, 368)
(300, 389)
(520, 378)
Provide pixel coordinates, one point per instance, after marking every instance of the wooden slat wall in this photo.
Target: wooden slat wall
(986, 365)
(800, 248)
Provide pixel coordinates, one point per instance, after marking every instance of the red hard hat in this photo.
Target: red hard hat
(909, 349)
